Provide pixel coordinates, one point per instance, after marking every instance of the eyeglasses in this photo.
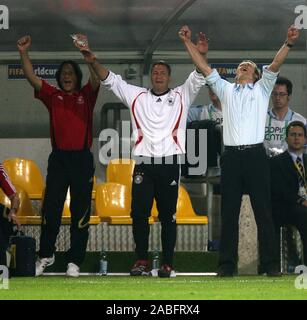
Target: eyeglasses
(280, 94)
(296, 134)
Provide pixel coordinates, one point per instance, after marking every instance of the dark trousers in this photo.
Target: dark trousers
(72, 169)
(6, 230)
(246, 171)
(159, 181)
(295, 215)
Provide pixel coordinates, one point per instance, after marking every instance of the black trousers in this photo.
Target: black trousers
(295, 215)
(246, 171)
(6, 230)
(72, 169)
(159, 181)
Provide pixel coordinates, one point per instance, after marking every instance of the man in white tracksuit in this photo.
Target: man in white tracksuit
(159, 117)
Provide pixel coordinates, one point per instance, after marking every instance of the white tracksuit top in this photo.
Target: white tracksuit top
(158, 122)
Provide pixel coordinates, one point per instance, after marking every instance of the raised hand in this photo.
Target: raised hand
(81, 42)
(184, 33)
(202, 43)
(292, 34)
(24, 43)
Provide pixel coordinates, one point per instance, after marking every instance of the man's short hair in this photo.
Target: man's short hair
(296, 124)
(285, 81)
(162, 63)
(77, 70)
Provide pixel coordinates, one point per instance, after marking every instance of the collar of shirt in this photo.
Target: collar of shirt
(248, 85)
(294, 156)
(288, 116)
(160, 94)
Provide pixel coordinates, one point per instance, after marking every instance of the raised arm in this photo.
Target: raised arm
(23, 45)
(194, 50)
(82, 44)
(282, 53)
(94, 80)
(202, 45)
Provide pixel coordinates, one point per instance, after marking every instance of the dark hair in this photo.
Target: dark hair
(77, 70)
(296, 124)
(162, 63)
(286, 82)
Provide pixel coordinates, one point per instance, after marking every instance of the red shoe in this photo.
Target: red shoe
(140, 268)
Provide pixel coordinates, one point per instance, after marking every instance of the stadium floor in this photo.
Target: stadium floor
(150, 288)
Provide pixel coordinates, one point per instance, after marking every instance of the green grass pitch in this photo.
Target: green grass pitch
(148, 288)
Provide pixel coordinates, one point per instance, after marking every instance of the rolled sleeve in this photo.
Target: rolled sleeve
(268, 80)
(216, 83)
(212, 77)
(268, 73)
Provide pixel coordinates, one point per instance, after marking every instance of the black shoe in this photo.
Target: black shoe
(224, 273)
(273, 273)
(165, 271)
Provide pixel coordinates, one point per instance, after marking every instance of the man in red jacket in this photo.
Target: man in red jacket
(70, 163)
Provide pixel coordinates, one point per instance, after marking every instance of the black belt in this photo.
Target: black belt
(244, 147)
(173, 159)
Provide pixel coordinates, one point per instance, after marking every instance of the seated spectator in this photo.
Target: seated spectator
(288, 184)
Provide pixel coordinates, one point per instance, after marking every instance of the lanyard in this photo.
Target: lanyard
(301, 173)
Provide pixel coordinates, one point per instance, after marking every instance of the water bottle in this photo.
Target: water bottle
(155, 260)
(103, 270)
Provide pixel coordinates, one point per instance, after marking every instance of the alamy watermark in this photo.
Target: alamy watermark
(114, 146)
(4, 17)
(300, 281)
(4, 277)
(301, 20)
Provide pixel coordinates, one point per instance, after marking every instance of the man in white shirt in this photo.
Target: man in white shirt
(279, 117)
(159, 117)
(244, 164)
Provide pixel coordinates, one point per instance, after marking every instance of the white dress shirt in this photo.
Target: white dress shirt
(244, 107)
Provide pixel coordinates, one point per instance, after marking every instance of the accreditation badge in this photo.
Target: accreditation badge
(302, 192)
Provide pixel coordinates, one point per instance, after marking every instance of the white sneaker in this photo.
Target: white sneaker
(72, 270)
(41, 264)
